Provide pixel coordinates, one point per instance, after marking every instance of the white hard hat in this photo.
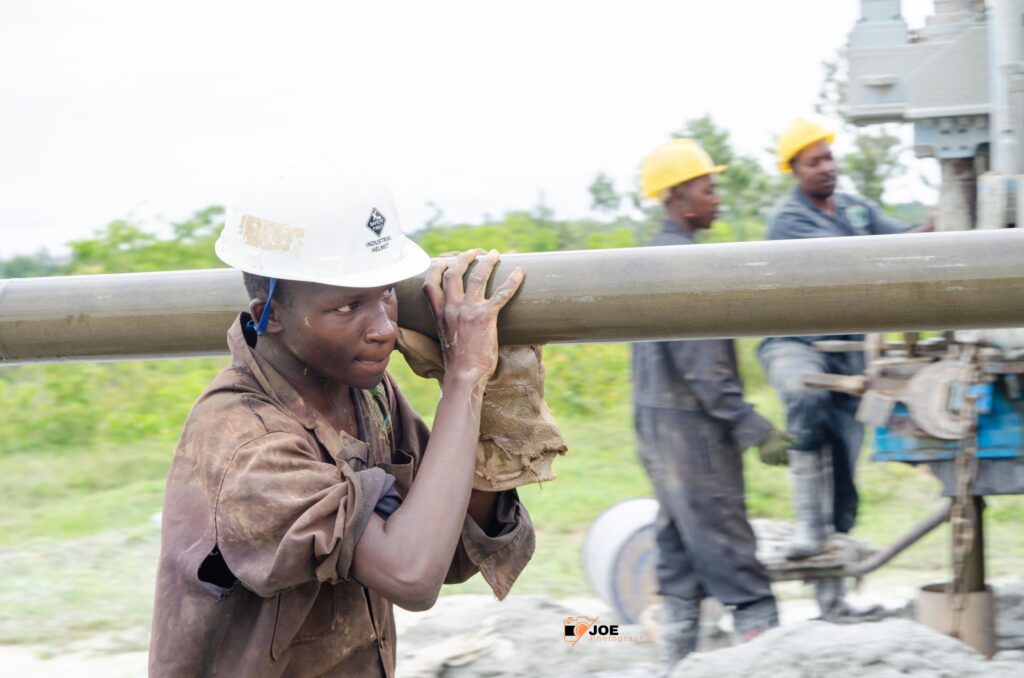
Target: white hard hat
(300, 217)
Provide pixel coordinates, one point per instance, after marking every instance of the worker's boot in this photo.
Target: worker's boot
(755, 618)
(680, 627)
(806, 473)
(829, 593)
(831, 596)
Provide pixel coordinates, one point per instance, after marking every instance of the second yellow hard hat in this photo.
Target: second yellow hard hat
(800, 134)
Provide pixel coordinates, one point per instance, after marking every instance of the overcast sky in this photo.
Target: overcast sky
(140, 109)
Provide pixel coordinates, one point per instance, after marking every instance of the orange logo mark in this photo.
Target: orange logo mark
(577, 627)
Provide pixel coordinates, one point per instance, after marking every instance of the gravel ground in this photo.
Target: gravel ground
(467, 636)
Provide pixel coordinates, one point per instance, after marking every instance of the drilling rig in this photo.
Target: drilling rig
(951, 402)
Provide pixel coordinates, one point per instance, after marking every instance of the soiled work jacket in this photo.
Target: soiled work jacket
(698, 375)
(265, 503)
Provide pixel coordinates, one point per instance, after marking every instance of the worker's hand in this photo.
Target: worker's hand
(931, 223)
(774, 449)
(466, 320)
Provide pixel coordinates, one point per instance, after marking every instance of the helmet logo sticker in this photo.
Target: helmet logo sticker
(376, 221)
(271, 236)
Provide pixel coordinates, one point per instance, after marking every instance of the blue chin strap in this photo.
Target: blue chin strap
(261, 328)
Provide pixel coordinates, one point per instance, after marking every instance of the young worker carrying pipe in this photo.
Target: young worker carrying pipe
(692, 427)
(822, 422)
(306, 497)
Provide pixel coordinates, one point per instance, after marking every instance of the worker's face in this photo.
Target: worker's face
(697, 201)
(815, 170)
(342, 334)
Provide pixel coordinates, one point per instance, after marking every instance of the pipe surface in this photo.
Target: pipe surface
(936, 281)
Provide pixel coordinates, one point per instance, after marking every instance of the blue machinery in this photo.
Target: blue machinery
(1000, 433)
(926, 424)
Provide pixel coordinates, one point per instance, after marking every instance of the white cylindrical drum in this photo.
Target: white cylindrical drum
(619, 557)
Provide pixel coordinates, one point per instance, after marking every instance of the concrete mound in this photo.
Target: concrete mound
(895, 647)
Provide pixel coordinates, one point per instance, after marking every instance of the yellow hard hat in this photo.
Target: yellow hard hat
(800, 134)
(678, 161)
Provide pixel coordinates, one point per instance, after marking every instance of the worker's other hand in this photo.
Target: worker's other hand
(467, 322)
(931, 223)
(774, 449)
(518, 437)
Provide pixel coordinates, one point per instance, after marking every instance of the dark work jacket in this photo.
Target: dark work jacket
(697, 376)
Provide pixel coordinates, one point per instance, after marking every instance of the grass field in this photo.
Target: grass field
(78, 546)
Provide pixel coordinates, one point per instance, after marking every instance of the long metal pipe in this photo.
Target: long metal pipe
(820, 286)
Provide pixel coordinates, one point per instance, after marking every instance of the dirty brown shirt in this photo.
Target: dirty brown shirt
(264, 505)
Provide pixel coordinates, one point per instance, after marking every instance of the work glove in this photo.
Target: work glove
(774, 449)
(518, 436)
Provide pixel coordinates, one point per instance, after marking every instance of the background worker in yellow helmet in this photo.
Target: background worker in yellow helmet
(822, 422)
(692, 426)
